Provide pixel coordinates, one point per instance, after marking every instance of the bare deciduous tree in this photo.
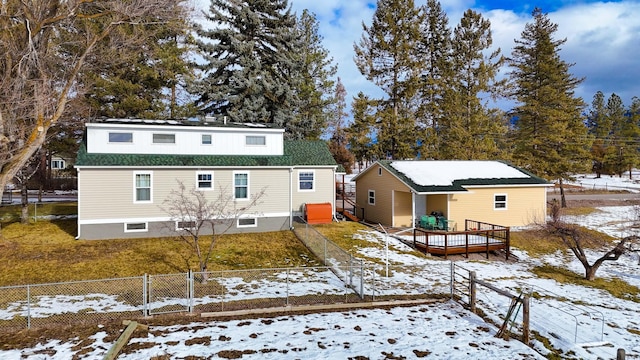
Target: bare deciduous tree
(578, 240)
(45, 45)
(198, 218)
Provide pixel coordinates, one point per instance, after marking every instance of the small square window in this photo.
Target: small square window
(206, 139)
(205, 180)
(306, 180)
(372, 197)
(164, 138)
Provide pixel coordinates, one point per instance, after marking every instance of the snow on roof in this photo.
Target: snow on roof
(444, 173)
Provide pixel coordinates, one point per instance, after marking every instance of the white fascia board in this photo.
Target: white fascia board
(182, 127)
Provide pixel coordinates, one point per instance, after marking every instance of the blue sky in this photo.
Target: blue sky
(603, 37)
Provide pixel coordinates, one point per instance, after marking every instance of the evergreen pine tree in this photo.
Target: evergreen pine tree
(338, 140)
(469, 128)
(599, 128)
(386, 56)
(362, 129)
(550, 137)
(314, 86)
(249, 61)
(434, 53)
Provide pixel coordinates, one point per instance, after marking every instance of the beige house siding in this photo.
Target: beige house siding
(384, 186)
(323, 192)
(525, 205)
(111, 188)
(402, 216)
(437, 202)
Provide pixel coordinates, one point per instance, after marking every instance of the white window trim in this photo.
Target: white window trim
(202, 139)
(233, 181)
(135, 200)
(184, 228)
(255, 222)
(369, 197)
(506, 202)
(198, 173)
(146, 227)
(62, 164)
(313, 181)
(246, 139)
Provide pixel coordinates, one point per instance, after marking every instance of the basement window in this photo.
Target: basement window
(135, 227)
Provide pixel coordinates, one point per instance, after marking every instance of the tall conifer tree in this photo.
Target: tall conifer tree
(361, 130)
(550, 137)
(434, 53)
(469, 128)
(599, 128)
(314, 86)
(386, 56)
(249, 61)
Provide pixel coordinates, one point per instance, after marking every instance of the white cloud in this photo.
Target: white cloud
(602, 40)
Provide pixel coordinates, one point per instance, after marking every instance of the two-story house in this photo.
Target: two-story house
(127, 169)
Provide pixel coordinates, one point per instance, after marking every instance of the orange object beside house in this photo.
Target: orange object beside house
(318, 213)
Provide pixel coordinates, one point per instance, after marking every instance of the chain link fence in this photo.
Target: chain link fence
(34, 306)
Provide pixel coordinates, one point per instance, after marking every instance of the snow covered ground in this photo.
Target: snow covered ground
(581, 322)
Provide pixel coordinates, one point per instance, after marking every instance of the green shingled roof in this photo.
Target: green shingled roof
(459, 185)
(296, 153)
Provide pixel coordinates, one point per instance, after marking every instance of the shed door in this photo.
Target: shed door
(402, 209)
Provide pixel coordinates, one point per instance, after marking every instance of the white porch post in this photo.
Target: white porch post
(413, 209)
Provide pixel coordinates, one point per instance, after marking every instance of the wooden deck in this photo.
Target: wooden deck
(478, 237)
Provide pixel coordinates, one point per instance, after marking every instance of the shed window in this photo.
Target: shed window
(372, 197)
(500, 202)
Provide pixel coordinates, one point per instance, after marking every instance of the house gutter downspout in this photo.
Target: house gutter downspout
(291, 198)
(78, 217)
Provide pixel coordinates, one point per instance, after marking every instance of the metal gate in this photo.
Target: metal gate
(169, 293)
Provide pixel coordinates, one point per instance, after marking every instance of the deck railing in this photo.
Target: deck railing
(477, 237)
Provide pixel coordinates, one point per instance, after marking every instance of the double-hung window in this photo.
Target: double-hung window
(241, 185)
(306, 180)
(500, 201)
(205, 180)
(371, 198)
(142, 185)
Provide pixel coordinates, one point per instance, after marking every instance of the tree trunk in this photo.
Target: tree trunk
(24, 216)
(563, 200)
(590, 272)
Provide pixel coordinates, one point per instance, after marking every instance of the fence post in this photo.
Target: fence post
(351, 271)
(452, 278)
(525, 320)
(191, 289)
(362, 279)
(145, 303)
(28, 307)
(621, 354)
(472, 291)
(287, 301)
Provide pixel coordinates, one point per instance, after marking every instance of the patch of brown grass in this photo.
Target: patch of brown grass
(46, 251)
(616, 287)
(537, 242)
